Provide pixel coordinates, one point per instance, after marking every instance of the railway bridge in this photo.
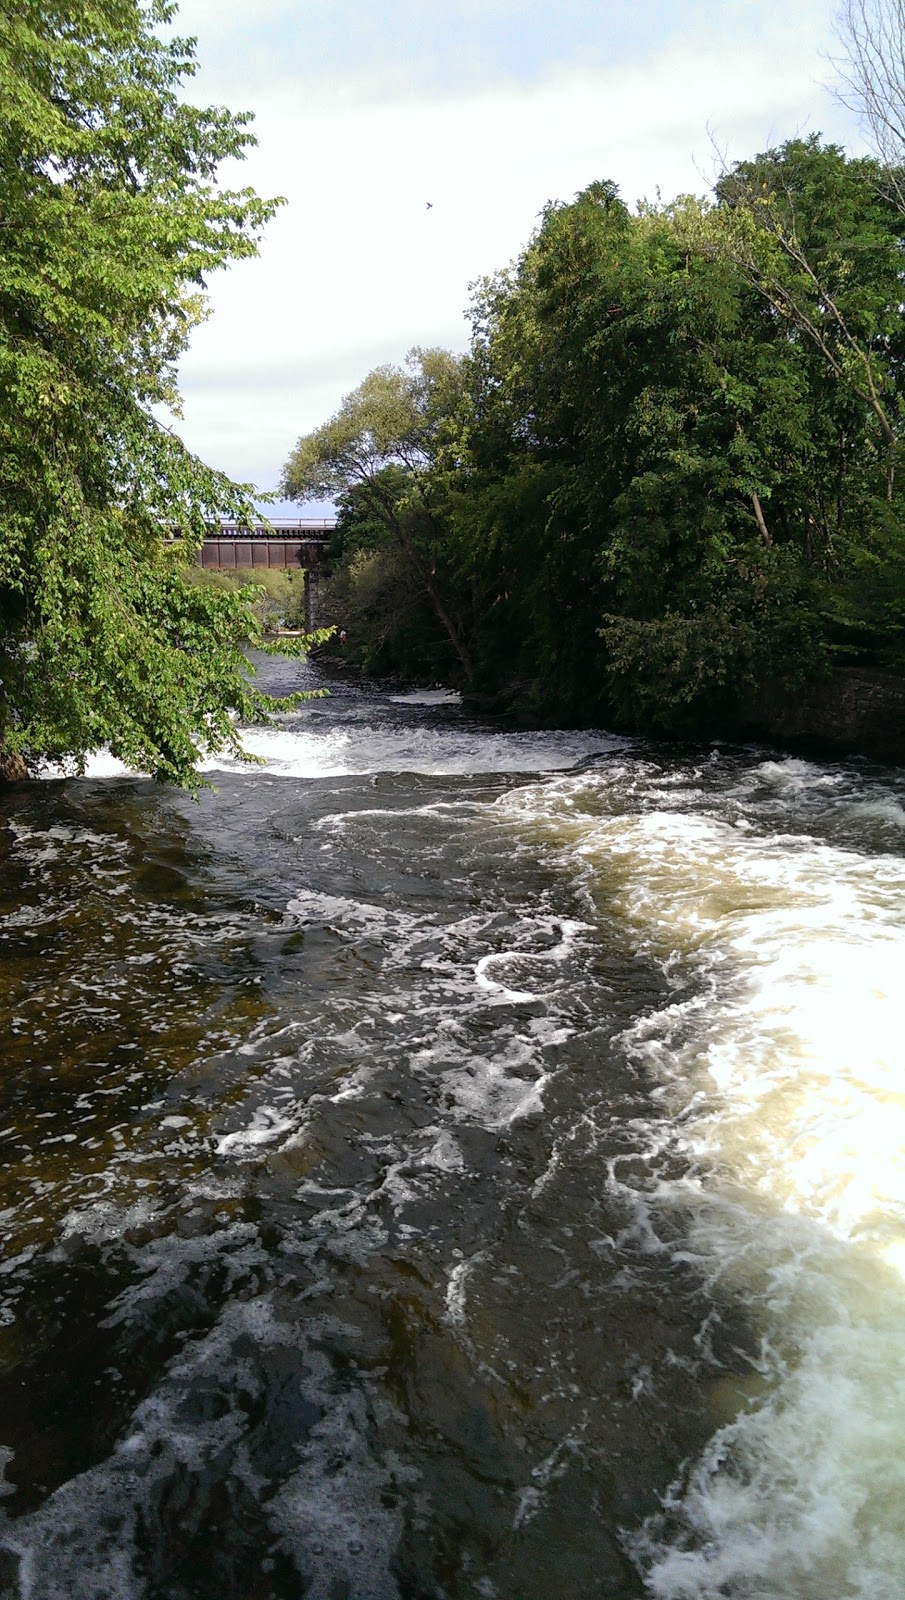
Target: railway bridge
(285, 544)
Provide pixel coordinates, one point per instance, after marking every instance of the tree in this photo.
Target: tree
(111, 222)
(621, 434)
(378, 595)
(815, 234)
(665, 472)
(386, 441)
(682, 444)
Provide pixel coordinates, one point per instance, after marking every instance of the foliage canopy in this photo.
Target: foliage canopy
(111, 223)
(668, 471)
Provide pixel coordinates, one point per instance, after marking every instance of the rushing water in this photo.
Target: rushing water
(452, 1163)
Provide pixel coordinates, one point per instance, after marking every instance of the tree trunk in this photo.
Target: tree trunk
(443, 615)
(424, 572)
(759, 518)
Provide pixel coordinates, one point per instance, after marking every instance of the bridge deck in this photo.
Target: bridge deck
(282, 544)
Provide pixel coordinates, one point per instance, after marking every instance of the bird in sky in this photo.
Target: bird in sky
(430, 205)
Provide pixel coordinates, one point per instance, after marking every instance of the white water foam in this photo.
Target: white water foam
(329, 1510)
(303, 744)
(569, 931)
(97, 764)
(316, 750)
(427, 697)
(785, 1076)
(267, 1125)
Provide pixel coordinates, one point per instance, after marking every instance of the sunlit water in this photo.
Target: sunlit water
(446, 1162)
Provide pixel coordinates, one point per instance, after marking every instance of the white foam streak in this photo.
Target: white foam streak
(491, 986)
(427, 697)
(97, 764)
(266, 1126)
(559, 953)
(320, 749)
(303, 744)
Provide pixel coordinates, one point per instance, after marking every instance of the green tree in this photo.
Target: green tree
(619, 475)
(111, 222)
(387, 443)
(821, 242)
(682, 440)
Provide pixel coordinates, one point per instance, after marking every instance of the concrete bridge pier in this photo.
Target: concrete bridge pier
(312, 584)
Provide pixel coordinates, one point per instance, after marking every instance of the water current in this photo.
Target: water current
(453, 1164)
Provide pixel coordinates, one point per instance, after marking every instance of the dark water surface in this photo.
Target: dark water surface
(449, 1163)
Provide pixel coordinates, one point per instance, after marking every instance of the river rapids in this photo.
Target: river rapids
(445, 1163)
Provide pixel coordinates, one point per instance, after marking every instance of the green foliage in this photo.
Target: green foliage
(667, 468)
(397, 415)
(164, 667)
(111, 221)
(276, 596)
(376, 591)
(708, 493)
(820, 239)
(676, 671)
(383, 455)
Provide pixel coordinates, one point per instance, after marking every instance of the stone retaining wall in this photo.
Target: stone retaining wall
(857, 712)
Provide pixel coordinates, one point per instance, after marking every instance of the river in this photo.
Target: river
(445, 1163)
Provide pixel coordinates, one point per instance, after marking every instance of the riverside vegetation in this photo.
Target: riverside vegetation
(112, 221)
(664, 473)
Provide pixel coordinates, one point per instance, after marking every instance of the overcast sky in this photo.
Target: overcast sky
(487, 109)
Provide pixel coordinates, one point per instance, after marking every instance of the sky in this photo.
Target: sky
(416, 143)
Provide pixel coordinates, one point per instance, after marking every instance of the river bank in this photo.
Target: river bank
(857, 712)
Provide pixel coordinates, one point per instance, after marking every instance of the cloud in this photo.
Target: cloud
(357, 269)
(408, 46)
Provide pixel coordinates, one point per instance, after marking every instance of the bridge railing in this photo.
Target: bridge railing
(311, 528)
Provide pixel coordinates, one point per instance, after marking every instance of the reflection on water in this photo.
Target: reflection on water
(444, 1162)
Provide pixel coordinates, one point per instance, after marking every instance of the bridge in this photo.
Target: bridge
(283, 544)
